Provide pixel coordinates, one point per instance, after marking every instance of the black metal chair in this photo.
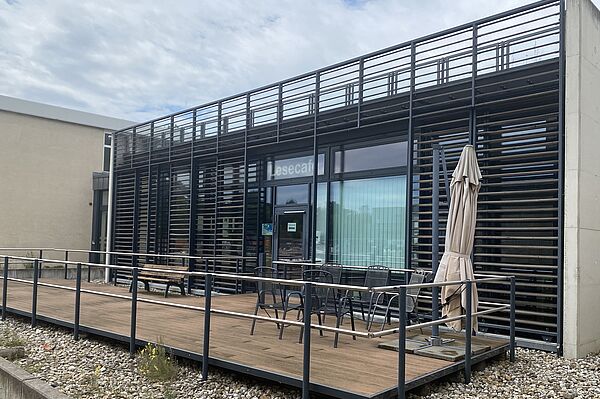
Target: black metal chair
(375, 276)
(320, 297)
(412, 299)
(341, 302)
(269, 296)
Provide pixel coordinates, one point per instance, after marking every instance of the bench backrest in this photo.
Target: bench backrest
(154, 270)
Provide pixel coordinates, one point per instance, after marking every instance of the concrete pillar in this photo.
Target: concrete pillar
(581, 317)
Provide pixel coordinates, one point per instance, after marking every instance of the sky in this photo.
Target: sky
(138, 60)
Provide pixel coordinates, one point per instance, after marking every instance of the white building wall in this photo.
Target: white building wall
(581, 309)
(46, 181)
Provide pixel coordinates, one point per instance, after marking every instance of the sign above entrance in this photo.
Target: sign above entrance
(292, 168)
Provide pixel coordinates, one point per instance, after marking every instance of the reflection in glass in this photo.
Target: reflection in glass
(383, 156)
(321, 232)
(290, 236)
(292, 195)
(368, 225)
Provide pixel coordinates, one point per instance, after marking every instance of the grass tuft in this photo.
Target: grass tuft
(156, 364)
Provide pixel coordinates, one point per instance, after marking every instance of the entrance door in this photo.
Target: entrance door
(291, 233)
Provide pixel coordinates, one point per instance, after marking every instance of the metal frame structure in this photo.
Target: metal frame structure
(496, 83)
(204, 356)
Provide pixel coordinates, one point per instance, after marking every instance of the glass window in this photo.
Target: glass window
(321, 231)
(292, 195)
(106, 155)
(383, 156)
(294, 167)
(368, 224)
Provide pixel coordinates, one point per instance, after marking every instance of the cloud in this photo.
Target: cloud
(139, 60)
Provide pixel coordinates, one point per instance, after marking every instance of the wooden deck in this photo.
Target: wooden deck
(356, 369)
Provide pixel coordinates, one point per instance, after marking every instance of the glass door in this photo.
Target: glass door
(291, 233)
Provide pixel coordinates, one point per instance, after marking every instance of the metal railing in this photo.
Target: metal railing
(306, 323)
(511, 39)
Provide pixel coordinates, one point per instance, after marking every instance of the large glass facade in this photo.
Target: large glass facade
(368, 221)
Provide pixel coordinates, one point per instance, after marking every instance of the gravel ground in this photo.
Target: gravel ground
(93, 368)
(534, 374)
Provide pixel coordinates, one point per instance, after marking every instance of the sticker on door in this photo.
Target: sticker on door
(291, 227)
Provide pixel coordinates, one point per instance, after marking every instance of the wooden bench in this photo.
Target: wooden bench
(152, 273)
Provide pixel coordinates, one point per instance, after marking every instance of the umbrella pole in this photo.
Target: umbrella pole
(435, 242)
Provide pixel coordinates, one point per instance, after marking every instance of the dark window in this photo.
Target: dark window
(106, 164)
(291, 195)
(391, 155)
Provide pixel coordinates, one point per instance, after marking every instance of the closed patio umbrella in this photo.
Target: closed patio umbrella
(456, 262)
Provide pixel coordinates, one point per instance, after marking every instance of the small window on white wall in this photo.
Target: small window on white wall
(106, 148)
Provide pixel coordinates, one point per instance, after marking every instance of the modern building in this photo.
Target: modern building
(336, 165)
(47, 157)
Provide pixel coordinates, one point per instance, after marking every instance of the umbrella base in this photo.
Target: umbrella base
(438, 341)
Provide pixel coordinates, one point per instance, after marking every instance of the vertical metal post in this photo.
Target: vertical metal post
(468, 332)
(134, 289)
(561, 185)
(66, 265)
(114, 271)
(206, 334)
(315, 175)
(40, 262)
(4, 287)
(34, 294)
(361, 84)
(402, 343)
(409, 164)
(435, 236)
(89, 273)
(77, 302)
(306, 341)
(237, 271)
(512, 317)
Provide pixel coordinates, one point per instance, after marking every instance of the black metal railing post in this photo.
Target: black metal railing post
(190, 279)
(206, 335)
(468, 332)
(513, 306)
(66, 265)
(113, 271)
(4, 287)
(134, 290)
(402, 343)
(77, 302)
(34, 293)
(237, 271)
(205, 271)
(243, 285)
(306, 341)
(40, 262)
(89, 273)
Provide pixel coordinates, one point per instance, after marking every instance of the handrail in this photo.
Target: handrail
(171, 255)
(283, 281)
(401, 289)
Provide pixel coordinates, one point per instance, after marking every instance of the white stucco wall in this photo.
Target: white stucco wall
(582, 181)
(46, 181)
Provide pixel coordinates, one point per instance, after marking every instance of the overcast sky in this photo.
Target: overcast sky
(140, 59)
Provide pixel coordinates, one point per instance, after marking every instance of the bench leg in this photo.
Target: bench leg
(182, 288)
(131, 286)
(167, 290)
(147, 286)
